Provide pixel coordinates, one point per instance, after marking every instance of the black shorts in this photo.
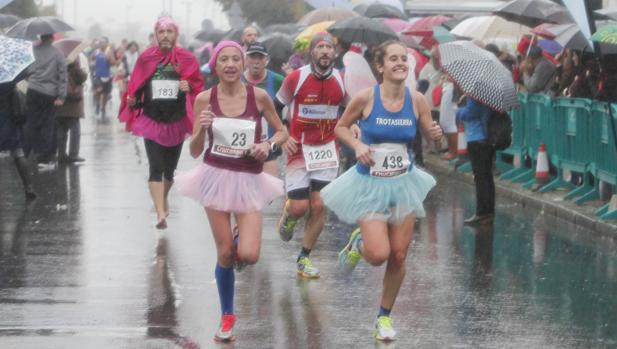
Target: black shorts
(305, 193)
(103, 86)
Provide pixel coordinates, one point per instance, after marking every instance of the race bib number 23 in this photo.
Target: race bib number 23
(232, 137)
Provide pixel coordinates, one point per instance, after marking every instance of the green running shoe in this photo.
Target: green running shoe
(306, 268)
(286, 224)
(349, 256)
(383, 329)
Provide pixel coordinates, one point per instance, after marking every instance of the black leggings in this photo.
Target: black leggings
(163, 160)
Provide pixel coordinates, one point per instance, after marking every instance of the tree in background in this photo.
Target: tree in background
(267, 12)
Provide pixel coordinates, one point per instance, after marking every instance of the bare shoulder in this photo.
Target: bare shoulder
(203, 97)
(364, 96)
(260, 93)
(418, 98)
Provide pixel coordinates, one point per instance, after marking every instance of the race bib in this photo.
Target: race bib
(391, 160)
(320, 157)
(232, 138)
(165, 89)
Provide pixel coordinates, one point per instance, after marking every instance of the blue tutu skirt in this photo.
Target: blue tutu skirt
(355, 197)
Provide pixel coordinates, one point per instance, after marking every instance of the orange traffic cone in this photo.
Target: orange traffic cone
(462, 141)
(542, 174)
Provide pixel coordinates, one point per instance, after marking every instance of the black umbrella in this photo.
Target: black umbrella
(570, 36)
(7, 20)
(286, 28)
(325, 14)
(479, 74)
(369, 31)
(31, 28)
(378, 10)
(212, 35)
(279, 46)
(607, 13)
(234, 35)
(534, 12)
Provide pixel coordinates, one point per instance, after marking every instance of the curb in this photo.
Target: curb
(551, 203)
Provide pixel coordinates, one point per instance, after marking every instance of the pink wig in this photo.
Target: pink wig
(217, 50)
(165, 22)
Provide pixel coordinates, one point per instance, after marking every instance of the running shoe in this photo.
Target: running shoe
(286, 224)
(383, 329)
(349, 256)
(225, 331)
(306, 268)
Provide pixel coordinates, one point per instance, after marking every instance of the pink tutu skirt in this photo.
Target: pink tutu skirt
(166, 134)
(228, 191)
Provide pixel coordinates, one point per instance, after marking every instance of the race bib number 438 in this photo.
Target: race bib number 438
(165, 89)
(320, 157)
(232, 137)
(391, 160)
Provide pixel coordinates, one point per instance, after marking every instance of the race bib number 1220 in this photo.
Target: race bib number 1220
(320, 157)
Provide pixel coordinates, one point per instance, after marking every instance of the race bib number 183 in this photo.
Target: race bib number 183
(165, 89)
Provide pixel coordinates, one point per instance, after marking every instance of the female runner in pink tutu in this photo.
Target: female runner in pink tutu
(231, 179)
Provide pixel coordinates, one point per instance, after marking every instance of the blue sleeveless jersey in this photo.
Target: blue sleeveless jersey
(383, 126)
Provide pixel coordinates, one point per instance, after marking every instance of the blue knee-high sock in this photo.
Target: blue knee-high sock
(225, 279)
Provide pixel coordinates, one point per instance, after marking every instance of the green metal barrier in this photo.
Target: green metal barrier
(573, 150)
(605, 159)
(537, 128)
(518, 142)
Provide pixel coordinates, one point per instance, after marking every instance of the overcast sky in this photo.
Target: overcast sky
(114, 15)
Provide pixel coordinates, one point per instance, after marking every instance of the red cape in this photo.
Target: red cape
(184, 63)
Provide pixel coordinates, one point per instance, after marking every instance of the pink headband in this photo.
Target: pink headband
(217, 50)
(165, 22)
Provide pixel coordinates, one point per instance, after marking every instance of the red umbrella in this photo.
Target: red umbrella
(424, 26)
(421, 60)
(71, 48)
(396, 24)
(543, 31)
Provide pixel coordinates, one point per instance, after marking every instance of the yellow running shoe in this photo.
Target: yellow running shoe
(306, 268)
(383, 329)
(286, 224)
(349, 256)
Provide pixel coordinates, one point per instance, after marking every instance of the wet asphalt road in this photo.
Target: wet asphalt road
(83, 267)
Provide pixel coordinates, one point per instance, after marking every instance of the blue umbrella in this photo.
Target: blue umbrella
(342, 4)
(15, 56)
(550, 46)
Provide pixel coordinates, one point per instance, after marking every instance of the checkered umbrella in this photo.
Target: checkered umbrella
(15, 56)
(479, 74)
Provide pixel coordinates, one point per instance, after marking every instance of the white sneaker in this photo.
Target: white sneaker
(46, 166)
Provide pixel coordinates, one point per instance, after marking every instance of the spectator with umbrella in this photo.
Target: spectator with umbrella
(16, 55)
(489, 88)
(68, 115)
(47, 82)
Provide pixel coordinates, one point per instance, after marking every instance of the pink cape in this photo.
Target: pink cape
(184, 63)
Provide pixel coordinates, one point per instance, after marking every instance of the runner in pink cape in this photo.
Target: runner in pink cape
(158, 106)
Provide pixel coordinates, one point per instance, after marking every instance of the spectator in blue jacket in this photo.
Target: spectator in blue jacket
(475, 118)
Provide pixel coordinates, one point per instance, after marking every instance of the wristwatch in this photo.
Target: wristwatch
(273, 146)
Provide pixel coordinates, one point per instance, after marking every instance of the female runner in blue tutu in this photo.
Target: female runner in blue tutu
(231, 179)
(383, 192)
